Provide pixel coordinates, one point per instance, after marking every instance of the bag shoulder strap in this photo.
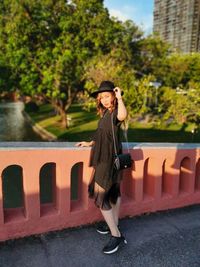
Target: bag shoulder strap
(125, 135)
(113, 134)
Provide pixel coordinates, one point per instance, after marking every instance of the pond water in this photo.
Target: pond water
(13, 126)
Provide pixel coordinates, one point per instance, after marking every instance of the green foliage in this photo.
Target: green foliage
(150, 56)
(6, 79)
(58, 49)
(47, 44)
(180, 106)
(180, 69)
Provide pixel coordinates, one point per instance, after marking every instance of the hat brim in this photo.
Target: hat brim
(94, 94)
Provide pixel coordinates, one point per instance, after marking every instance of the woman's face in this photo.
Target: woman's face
(106, 99)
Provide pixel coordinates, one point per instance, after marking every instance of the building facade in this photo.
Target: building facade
(178, 22)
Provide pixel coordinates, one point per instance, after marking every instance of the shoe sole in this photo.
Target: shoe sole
(115, 249)
(111, 251)
(103, 233)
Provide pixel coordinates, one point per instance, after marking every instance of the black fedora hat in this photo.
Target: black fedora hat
(105, 86)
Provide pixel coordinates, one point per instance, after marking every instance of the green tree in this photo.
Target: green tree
(47, 43)
(6, 80)
(180, 106)
(179, 69)
(150, 56)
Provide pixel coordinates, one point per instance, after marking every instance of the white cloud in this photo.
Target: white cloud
(125, 13)
(118, 14)
(130, 12)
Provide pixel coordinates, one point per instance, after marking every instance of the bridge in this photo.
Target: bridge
(163, 176)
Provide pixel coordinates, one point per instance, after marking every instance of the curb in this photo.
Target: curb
(38, 129)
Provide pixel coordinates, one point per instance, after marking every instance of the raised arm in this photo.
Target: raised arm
(122, 111)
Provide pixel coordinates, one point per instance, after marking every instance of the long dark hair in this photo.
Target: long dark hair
(101, 109)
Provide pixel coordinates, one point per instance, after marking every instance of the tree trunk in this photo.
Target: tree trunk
(64, 120)
(60, 109)
(63, 116)
(62, 106)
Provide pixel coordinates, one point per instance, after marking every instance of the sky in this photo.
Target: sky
(140, 11)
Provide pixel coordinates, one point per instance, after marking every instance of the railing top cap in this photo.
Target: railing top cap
(70, 145)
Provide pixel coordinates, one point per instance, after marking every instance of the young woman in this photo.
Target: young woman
(105, 186)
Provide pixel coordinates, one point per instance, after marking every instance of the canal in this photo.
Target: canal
(13, 125)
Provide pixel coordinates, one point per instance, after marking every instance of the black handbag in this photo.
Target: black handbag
(121, 161)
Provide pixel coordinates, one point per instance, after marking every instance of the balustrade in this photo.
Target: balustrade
(44, 188)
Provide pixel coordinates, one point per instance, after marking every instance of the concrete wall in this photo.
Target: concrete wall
(163, 176)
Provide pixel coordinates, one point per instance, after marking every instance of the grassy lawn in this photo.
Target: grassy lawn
(174, 133)
(82, 125)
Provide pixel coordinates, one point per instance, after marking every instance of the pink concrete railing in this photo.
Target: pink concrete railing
(164, 176)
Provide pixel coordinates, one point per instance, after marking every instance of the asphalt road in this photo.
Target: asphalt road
(164, 239)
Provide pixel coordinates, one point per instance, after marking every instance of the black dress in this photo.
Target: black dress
(102, 158)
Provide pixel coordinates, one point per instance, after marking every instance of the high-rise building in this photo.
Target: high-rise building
(178, 22)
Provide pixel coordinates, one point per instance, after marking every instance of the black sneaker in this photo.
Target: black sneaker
(103, 229)
(113, 244)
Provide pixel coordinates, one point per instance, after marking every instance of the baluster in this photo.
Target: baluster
(31, 191)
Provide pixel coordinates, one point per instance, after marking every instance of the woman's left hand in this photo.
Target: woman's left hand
(118, 93)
